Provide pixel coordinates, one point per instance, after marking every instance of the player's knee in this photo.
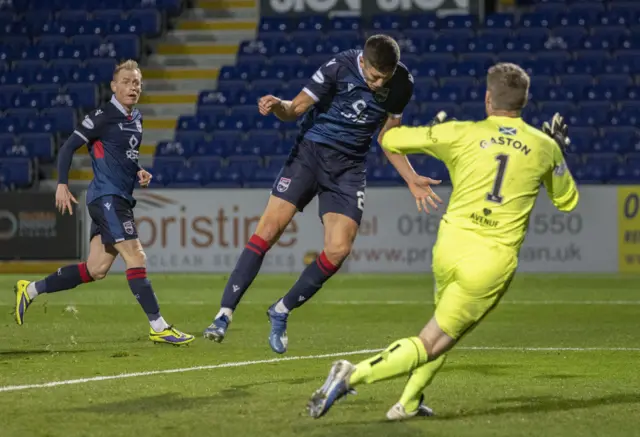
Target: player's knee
(136, 259)
(269, 230)
(98, 270)
(337, 251)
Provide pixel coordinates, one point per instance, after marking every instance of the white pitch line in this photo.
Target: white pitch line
(302, 357)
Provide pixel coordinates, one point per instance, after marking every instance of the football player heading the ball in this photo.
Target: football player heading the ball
(344, 103)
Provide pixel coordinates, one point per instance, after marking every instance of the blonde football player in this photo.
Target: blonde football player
(497, 166)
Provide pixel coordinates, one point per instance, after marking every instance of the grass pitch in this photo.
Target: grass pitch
(559, 357)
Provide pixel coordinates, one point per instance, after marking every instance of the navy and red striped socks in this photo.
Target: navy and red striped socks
(245, 272)
(311, 280)
(65, 278)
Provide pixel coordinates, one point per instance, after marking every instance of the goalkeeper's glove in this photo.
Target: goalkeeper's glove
(558, 130)
(439, 118)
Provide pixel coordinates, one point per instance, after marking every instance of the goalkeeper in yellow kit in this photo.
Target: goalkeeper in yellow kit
(497, 167)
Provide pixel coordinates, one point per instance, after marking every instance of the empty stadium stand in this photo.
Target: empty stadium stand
(584, 58)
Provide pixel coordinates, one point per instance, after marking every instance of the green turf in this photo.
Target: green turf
(99, 329)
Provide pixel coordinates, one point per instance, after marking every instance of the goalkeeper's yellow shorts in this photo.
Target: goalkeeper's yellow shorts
(471, 275)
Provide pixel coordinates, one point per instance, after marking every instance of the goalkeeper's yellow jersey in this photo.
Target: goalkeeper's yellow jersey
(497, 166)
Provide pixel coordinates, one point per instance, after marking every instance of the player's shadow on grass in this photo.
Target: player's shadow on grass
(481, 369)
(176, 401)
(7, 355)
(542, 404)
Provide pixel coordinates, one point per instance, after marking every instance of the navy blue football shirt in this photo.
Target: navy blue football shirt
(113, 137)
(347, 112)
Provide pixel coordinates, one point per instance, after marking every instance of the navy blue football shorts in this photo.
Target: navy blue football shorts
(314, 169)
(112, 219)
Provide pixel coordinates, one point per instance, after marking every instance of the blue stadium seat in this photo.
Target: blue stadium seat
(40, 146)
(226, 143)
(500, 21)
(212, 98)
(193, 123)
(7, 95)
(242, 168)
(209, 147)
(458, 22)
(451, 42)
(387, 22)
(537, 19)
(567, 38)
(7, 140)
(273, 24)
(207, 167)
(212, 113)
(28, 100)
(473, 111)
(64, 118)
(582, 139)
(628, 115)
(28, 69)
(270, 142)
(84, 95)
(193, 138)
(269, 172)
(618, 140)
(125, 46)
(73, 15)
(591, 114)
(344, 24)
(123, 27)
(529, 40)
(16, 172)
(101, 69)
(165, 169)
(174, 149)
(487, 43)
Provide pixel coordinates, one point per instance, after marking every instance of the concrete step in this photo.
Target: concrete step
(212, 14)
(179, 85)
(166, 110)
(169, 97)
(191, 61)
(170, 73)
(209, 36)
(154, 136)
(196, 49)
(217, 24)
(217, 5)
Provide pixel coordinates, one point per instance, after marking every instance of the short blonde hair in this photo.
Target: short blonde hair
(509, 87)
(129, 64)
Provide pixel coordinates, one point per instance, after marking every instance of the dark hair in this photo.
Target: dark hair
(509, 87)
(382, 53)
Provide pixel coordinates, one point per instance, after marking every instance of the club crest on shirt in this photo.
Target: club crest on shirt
(283, 185)
(128, 227)
(381, 95)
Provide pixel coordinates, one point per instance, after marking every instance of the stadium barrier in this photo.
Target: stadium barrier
(31, 229)
(205, 230)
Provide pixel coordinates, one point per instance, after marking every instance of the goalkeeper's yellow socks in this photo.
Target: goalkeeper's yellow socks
(400, 358)
(418, 381)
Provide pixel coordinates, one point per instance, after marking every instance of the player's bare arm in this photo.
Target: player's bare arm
(419, 186)
(286, 110)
